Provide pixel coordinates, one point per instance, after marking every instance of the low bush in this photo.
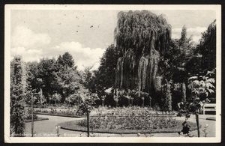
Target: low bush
(71, 112)
(28, 114)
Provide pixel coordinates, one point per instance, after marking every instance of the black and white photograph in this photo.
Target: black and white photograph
(112, 73)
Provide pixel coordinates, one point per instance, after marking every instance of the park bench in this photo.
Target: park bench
(208, 107)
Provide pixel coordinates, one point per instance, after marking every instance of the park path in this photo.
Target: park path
(47, 128)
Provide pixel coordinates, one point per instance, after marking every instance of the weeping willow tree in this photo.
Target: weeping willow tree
(143, 38)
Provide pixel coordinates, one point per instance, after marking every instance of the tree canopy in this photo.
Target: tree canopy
(144, 58)
(55, 77)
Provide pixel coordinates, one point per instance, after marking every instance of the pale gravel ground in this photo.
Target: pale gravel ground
(47, 128)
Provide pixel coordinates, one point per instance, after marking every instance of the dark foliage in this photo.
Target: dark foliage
(17, 94)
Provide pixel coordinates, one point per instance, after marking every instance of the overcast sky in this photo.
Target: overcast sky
(39, 34)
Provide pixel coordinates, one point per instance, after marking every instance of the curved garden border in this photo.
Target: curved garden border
(119, 131)
(60, 115)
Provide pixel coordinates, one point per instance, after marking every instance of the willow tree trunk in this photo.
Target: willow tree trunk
(143, 101)
(168, 97)
(102, 102)
(41, 96)
(184, 92)
(150, 101)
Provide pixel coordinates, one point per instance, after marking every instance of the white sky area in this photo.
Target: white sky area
(37, 34)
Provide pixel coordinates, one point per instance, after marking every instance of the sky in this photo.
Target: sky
(37, 34)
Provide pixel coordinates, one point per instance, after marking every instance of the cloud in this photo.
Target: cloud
(195, 33)
(34, 46)
(25, 37)
(83, 56)
(27, 55)
(28, 44)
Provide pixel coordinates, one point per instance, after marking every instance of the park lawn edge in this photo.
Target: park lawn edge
(38, 119)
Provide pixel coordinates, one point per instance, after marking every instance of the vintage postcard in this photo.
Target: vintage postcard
(112, 73)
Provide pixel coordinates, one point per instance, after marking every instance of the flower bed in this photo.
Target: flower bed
(126, 120)
(57, 112)
(130, 111)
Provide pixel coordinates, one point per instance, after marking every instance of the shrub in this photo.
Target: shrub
(56, 97)
(73, 99)
(28, 115)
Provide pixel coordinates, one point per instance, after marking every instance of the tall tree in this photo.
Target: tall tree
(47, 74)
(204, 58)
(186, 49)
(66, 75)
(87, 75)
(66, 60)
(104, 77)
(173, 64)
(17, 92)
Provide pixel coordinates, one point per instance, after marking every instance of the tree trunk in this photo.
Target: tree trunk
(132, 101)
(150, 101)
(184, 92)
(88, 126)
(197, 122)
(40, 96)
(143, 101)
(103, 102)
(129, 101)
(32, 116)
(168, 96)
